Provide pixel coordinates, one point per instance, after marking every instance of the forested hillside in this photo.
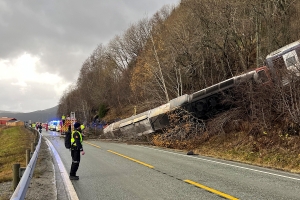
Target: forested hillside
(180, 50)
(183, 49)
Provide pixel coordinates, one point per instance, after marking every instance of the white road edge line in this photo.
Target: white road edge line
(72, 195)
(255, 170)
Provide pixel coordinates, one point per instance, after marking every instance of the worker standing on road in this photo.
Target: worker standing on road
(63, 119)
(76, 149)
(82, 127)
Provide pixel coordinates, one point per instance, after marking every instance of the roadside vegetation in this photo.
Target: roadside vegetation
(239, 141)
(14, 142)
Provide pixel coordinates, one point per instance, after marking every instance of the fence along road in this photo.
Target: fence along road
(121, 171)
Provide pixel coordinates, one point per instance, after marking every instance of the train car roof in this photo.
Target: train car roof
(284, 49)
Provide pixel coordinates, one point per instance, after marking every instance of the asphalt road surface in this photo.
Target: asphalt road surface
(111, 170)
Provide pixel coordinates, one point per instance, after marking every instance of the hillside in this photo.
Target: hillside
(179, 50)
(39, 115)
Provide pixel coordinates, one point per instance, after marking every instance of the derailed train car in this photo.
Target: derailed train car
(285, 57)
(199, 102)
(204, 100)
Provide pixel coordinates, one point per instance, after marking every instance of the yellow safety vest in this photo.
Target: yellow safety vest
(63, 117)
(73, 139)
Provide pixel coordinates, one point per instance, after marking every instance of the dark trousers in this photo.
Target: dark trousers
(75, 162)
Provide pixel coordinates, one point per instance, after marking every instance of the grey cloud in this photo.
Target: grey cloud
(35, 97)
(65, 32)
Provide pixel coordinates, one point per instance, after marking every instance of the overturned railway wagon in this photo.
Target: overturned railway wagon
(205, 100)
(198, 103)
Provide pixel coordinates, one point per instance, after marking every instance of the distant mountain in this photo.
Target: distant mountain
(36, 116)
(3, 111)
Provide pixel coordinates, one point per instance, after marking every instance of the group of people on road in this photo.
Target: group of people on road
(38, 126)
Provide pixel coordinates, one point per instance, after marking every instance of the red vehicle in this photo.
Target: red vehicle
(44, 125)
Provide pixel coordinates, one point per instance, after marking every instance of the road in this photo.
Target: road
(119, 171)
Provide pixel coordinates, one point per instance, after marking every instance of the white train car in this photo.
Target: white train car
(198, 103)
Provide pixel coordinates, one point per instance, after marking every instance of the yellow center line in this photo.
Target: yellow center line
(211, 190)
(224, 195)
(92, 145)
(134, 160)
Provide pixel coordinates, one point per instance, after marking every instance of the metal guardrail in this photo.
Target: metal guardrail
(21, 190)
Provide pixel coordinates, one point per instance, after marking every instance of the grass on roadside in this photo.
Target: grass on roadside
(14, 142)
(267, 150)
(270, 150)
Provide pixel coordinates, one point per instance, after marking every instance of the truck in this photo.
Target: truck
(68, 124)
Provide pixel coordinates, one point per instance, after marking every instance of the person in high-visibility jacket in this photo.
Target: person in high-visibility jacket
(76, 149)
(63, 119)
(82, 127)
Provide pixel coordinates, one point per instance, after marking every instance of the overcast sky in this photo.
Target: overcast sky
(45, 42)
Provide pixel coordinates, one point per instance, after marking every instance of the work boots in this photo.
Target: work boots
(74, 177)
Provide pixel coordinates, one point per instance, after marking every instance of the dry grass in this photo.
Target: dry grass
(14, 142)
(230, 136)
(270, 150)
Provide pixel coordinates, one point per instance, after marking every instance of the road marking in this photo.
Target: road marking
(227, 196)
(224, 195)
(72, 193)
(134, 160)
(92, 145)
(231, 165)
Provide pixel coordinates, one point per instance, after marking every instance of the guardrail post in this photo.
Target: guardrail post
(27, 156)
(32, 149)
(16, 175)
